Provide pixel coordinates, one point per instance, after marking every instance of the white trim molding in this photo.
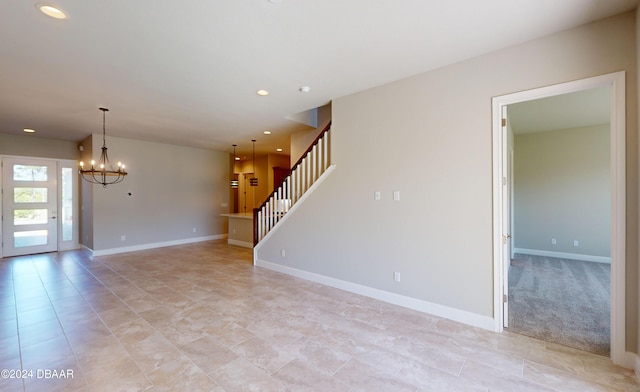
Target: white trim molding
(134, 248)
(563, 255)
(447, 312)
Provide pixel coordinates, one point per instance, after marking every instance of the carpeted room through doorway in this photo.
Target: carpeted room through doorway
(561, 301)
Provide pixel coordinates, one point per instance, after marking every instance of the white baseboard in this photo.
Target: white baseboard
(628, 360)
(135, 248)
(562, 255)
(458, 315)
(243, 244)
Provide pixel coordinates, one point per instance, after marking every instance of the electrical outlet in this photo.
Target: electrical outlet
(123, 238)
(376, 195)
(396, 276)
(283, 253)
(576, 243)
(553, 241)
(194, 229)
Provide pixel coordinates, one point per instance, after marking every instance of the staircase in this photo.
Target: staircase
(301, 177)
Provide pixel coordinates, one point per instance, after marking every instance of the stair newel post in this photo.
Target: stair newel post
(256, 226)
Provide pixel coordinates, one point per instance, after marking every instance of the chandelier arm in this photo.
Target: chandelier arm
(100, 176)
(93, 177)
(105, 159)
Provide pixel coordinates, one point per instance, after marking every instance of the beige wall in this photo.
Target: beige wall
(430, 138)
(301, 140)
(33, 146)
(86, 197)
(562, 190)
(173, 190)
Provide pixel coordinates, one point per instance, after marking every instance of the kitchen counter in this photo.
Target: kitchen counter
(240, 229)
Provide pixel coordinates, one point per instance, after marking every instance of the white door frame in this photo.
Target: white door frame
(62, 244)
(616, 81)
(48, 183)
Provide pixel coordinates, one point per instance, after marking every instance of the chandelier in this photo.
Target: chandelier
(103, 172)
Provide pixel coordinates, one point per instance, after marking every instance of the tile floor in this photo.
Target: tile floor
(200, 317)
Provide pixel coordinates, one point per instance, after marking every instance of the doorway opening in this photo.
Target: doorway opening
(560, 219)
(531, 242)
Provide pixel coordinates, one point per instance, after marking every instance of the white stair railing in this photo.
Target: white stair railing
(301, 177)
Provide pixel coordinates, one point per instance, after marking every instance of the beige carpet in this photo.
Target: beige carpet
(561, 301)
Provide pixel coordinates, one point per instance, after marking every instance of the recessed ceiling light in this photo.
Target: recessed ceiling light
(29, 130)
(237, 158)
(267, 132)
(279, 149)
(51, 11)
(304, 89)
(262, 92)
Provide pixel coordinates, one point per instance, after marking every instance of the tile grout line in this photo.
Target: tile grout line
(177, 348)
(95, 313)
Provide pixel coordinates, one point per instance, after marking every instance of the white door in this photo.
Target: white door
(29, 206)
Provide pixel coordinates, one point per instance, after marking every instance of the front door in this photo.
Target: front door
(29, 206)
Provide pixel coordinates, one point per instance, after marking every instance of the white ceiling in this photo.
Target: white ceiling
(574, 110)
(186, 72)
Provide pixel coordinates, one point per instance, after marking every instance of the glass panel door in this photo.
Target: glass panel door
(67, 205)
(29, 206)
